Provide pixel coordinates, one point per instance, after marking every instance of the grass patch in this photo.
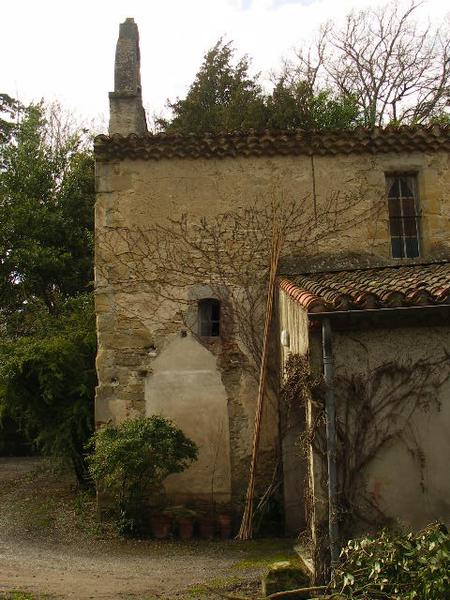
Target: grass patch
(265, 561)
(230, 585)
(45, 502)
(221, 583)
(254, 555)
(260, 554)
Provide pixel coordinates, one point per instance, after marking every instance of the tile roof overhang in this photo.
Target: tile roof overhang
(374, 289)
(273, 143)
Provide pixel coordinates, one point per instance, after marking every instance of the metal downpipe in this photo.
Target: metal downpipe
(330, 417)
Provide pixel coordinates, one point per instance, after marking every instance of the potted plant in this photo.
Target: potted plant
(225, 521)
(161, 525)
(186, 528)
(206, 525)
(185, 519)
(130, 461)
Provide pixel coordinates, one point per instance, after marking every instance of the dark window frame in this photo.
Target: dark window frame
(404, 214)
(209, 313)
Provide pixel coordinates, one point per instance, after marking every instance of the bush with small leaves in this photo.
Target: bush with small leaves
(412, 566)
(131, 460)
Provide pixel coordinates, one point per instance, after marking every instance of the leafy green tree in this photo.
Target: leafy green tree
(47, 349)
(47, 379)
(294, 104)
(223, 96)
(10, 109)
(46, 202)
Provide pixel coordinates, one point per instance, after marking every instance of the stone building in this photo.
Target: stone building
(373, 262)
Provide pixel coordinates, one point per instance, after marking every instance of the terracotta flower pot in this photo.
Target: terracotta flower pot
(206, 528)
(225, 526)
(161, 525)
(185, 528)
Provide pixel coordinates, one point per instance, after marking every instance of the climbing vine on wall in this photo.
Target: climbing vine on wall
(375, 408)
(228, 253)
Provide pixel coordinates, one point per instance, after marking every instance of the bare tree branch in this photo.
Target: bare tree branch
(396, 69)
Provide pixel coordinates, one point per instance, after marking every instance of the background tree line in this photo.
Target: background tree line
(47, 341)
(380, 68)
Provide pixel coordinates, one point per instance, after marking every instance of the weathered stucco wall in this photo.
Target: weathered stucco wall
(132, 334)
(185, 386)
(134, 192)
(295, 323)
(408, 480)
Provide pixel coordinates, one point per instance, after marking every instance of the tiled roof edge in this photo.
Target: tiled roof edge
(274, 143)
(414, 288)
(310, 302)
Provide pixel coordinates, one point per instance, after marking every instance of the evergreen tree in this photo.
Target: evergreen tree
(222, 97)
(295, 105)
(47, 349)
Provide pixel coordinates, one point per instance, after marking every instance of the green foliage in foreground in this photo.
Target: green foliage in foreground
(130, 461)
(397, 567)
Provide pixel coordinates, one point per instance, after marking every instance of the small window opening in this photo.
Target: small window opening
(209, 317)
(403, 215)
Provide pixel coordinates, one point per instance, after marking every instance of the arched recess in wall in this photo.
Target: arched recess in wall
(185, 385)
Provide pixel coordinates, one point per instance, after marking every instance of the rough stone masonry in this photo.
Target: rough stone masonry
(152, 356)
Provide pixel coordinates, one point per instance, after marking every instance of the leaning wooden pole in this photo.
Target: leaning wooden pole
(246, 529)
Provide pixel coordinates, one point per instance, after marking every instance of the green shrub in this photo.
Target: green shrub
(397, 566)
(48, 379)
(130, 461)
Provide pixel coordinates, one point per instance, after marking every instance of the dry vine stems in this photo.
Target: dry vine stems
(232, 255)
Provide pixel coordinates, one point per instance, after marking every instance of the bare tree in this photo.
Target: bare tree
(396, 69)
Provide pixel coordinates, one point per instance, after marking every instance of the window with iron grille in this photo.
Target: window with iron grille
(403, 215)
(209, 317)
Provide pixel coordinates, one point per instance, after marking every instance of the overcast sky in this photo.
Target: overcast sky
(64, 49)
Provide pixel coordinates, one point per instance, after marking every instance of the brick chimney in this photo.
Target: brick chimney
(125, 102)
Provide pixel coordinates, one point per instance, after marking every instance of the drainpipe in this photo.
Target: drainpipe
(330, 416)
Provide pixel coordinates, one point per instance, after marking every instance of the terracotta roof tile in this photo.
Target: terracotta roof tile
(362, 289)
(271, 143)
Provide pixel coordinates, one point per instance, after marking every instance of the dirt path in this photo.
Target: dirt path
(50, 544)
(68, 572)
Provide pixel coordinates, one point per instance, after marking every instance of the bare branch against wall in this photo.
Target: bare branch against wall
(228, 253)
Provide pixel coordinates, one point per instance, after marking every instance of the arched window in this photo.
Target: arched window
(209, 317)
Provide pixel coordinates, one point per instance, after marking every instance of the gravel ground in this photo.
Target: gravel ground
(52, 545)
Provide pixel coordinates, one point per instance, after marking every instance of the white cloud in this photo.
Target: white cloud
(65, 50)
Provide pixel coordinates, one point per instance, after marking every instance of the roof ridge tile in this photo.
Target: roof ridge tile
(272, 142)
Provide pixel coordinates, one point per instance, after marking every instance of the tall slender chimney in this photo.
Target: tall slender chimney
(125, 103)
